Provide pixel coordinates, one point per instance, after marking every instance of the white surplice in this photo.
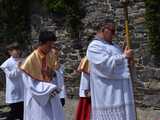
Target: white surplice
(84, 84)
(14, 84)
(111, 86)
(38, 103)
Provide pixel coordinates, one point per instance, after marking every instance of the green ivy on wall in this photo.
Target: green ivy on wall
(152, 16)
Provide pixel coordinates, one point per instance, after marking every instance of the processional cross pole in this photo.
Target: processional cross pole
(128, 41)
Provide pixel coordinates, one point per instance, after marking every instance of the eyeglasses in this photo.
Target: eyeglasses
(111, 30)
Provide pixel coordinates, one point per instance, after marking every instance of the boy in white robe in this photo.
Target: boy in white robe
(41, 100)
(111, 86)
(14, 85)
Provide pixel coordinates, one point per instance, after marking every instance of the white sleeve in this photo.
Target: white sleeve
(60, 82)
(62, 94)
(85, 81)
(11, 74)
(40, 91)
(59, 78)
(105, 63)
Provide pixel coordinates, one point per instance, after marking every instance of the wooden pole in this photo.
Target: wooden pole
(125, 7)
(128, 41)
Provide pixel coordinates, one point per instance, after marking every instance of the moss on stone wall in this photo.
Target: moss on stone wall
(152, 22)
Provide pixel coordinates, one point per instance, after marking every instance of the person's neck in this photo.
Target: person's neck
(41, 50)
(105, 39)
(100, 36)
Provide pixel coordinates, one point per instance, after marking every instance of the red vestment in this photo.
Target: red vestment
(83, 109)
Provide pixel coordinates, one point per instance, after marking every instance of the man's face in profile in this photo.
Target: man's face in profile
(109, 31)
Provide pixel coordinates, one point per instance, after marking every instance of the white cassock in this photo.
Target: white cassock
(38, 103)
(14, 84)
(111, 86)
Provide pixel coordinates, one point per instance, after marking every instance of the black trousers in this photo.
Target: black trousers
(62, 101)
(16, 111)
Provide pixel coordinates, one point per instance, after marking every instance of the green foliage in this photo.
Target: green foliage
(14, 21)
(152, 16)
(71, 10)
(55, 5)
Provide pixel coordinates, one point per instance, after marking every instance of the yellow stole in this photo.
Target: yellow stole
(84, 65)
(40, 66)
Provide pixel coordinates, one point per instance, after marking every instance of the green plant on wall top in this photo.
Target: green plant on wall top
(71, 10)
(152, 16)
(54, 5)
(14, 21)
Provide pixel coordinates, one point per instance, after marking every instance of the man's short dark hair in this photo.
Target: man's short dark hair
(46, 36)
(14, 45)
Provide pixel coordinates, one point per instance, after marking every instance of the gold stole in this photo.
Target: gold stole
(84, 65)
(39, 66)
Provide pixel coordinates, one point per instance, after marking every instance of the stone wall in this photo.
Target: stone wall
(147, 82)
(95, 10)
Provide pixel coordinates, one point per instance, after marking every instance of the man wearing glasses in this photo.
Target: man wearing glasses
(110, 83)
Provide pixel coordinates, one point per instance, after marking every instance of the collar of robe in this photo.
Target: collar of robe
(103, 40)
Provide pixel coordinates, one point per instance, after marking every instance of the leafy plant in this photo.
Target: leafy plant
(71, 10)
(152, 16)
(14, 21)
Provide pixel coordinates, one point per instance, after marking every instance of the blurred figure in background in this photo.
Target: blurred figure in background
(14, 84)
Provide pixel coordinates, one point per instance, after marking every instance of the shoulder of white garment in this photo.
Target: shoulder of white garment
(97, 50)
(6, 63)
(96, 43)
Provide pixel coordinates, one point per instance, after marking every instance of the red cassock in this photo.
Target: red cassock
(83, 109)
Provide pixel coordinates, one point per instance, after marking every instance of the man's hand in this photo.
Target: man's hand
(55, 92)
(128, 53)
(87, 93)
